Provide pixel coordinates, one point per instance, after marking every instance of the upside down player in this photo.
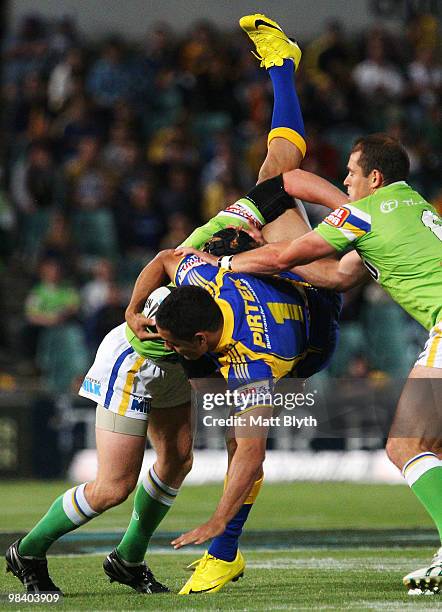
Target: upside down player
(398, 235)
(131, 376)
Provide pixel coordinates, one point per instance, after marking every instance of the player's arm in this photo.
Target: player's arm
(280, 256)
(158, 272)
(274, 257)
(331, 273)
(312, 188)
(244, 469)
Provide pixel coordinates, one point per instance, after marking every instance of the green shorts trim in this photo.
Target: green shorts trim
(111, 421)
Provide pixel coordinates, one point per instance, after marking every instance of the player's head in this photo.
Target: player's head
(230, 241)
(190, 322)
(375, 161)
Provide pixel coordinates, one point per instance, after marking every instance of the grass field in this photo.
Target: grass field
(329, 546)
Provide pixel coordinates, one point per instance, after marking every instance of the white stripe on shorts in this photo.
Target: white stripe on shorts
(431, 356)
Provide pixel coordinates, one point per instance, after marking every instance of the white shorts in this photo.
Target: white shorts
(431, 356)
(126, 383)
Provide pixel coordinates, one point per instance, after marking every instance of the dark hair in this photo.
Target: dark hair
(384, 153)
(189, 310)
(229, 241)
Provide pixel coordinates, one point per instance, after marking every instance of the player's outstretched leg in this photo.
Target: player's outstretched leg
(116, 478)
(281, 57)
(170, 432)
(286, 140)
(26, 558)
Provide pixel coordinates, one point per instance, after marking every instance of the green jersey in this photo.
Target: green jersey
(240, 214)
(399, 238)
(50, 299)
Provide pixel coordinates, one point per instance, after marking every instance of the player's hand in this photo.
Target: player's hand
(183, 251)
(138, 324)
(255, 233)
(209, 530)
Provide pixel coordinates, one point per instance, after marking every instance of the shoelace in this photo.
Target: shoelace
(203, 562)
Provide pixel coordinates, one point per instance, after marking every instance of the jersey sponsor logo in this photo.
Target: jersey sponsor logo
(239, 209)
(140, 404)
(190, 262)
(338, 217)
(253, 311)
(411, 202)
(388, 206)
(92, 386)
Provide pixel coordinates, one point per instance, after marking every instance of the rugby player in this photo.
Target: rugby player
(138, 384)
(397, 238)
(256, 331)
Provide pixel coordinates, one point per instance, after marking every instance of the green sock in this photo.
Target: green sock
(69, 511)
(152, 502)
(424, 475)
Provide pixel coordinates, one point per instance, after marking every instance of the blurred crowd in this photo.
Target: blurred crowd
(112, 150)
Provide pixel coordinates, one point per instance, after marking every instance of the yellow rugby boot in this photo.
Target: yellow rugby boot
(211, 574)
(271, 43)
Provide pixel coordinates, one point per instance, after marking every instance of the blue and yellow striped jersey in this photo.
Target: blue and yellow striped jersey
(266, 322)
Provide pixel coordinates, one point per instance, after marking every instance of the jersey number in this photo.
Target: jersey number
(282, 312)
(433, 222)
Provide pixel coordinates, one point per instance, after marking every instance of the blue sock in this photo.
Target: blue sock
(286, 108)
(225, 546)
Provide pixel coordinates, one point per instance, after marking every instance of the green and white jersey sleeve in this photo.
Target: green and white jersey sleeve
(398, 234)
(240, 214)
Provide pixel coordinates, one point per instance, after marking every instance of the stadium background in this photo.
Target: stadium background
(126, 124)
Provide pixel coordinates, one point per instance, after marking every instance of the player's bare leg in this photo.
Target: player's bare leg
(415, 447)
(282, 156)
(170, 432)
(119, 462)
(117, 476)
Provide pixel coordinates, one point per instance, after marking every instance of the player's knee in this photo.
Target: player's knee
(103, 496)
